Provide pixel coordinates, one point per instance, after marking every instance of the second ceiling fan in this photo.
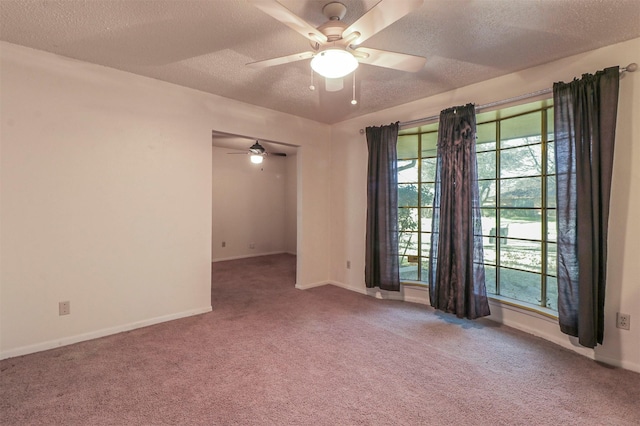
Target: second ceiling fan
(335, 45)
(257, 153)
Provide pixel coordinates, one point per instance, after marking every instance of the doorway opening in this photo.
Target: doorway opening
(255, 205)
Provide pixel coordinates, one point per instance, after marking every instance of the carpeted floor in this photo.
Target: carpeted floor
(269, 354)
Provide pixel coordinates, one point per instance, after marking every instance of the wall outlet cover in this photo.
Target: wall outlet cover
(64, 308)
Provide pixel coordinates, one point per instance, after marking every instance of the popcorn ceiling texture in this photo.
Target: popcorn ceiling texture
(206, 44)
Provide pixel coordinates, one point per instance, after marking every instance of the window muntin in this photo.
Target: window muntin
(416, 179)
(516, 180)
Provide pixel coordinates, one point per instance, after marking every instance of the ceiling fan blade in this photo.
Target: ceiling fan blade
(278, 154)
(281, 60)
(393, 60)
(379, 17)
(284, 15)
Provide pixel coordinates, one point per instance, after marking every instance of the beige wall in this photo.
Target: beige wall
(348, 197)
(291, 205)
(251, 205)
(107, 197)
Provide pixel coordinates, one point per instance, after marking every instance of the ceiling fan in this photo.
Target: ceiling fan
(335, 45)
(257, 153)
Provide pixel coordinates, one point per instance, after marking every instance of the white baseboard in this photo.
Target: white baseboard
(348, 287)
(245, 256)
(384, 294)
(334, 283)
(416, 294)
(631, 366)
(311, 285)
(373, 292)
(52, 344)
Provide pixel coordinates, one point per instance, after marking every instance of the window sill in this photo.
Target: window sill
(414, 284)
(546, 312)
(500, 300)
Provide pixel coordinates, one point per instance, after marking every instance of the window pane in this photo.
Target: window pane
(429, 144)
(486, 165)
(408, 244)
(490, 278)
(520, 223)
(488, 220)
(521, 192)
(425, 245)
(525, 255)
(521, 130)
(512, 196)
(551, 158)
(523, 161)
(552, 259)
(407, 195)
(551, 191)
(407, 147)
(489, 239)
(408, 171)
(407, 219)
(487, 193)
(427, 194)
(429, 169)
(486, 137)
(431, 127)
(424, 269)
(552, 226)
(519, 285)
(550, 124)
(408, 271)
(552, 293)
(425, 217)
(489, 251)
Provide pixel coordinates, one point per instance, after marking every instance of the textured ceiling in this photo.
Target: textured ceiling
(206, 44)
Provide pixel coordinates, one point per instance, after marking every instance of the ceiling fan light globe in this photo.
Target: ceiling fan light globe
(256, 159)
(334, 63)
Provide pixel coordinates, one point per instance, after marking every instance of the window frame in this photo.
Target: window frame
(545, 109)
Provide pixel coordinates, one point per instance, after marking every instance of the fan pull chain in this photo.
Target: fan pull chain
(353, 99)
(312, 86)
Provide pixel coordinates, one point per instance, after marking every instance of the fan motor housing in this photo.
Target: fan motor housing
(333, 30)
(334, 11)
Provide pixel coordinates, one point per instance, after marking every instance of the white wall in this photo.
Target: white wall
(106, 197)
(348, 195)
(290, 202)
(250, 205)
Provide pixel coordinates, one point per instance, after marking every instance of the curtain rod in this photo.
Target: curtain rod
(413, 123)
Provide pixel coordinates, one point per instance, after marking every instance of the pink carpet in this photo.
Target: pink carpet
(269, 354)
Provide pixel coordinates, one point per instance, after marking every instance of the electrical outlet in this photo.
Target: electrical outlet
(623, 321)
(252, 245)
(348, 264)
(224, 244)
(64, 308)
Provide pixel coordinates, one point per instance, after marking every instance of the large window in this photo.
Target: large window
(516, 178)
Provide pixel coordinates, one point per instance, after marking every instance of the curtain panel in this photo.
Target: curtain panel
(456, 268)
(381, 257)
(585, 122)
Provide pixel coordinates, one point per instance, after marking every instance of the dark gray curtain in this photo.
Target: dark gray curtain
(456, 269)
(585, 122)
(381, 262)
